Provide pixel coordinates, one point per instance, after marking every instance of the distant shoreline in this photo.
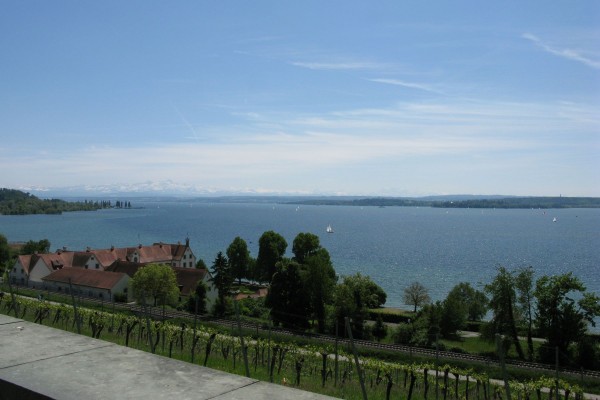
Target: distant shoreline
(504, 202)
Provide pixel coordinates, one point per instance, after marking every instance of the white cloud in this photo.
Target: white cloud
(571, 54)
(410, 85)
(349, 65)
(305, 151)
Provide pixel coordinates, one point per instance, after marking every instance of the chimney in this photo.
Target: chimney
(187, 242)
(112, 248)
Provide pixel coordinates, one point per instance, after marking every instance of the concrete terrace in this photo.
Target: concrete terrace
(38, 362)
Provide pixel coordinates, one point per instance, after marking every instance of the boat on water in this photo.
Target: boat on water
(329, 229)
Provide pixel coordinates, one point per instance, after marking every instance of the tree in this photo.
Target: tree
(5, 254)
(32, 247)
(473, 300)
(305, 245)
(353, 298)
(4, 250)
(525, 301)
(502, 302)
(200, 264)
(271, 249)
(560, 319)
(379, 329)
(239, 258)
(157, 281)
(199, 295)
(222, 279)
(416, 295)
(287, 296)
(319, 279)
(453, 316)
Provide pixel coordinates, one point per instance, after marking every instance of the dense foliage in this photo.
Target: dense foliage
(156, 282)
(16, 202)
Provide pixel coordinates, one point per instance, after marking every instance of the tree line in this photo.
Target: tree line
(501, 202)
(555, 308)
(16, 202)
(304, 291)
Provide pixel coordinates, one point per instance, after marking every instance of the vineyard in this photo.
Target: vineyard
(328, 369)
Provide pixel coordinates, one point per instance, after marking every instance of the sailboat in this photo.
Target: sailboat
(329, 229)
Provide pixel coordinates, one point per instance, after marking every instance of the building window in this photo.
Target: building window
(97, 265)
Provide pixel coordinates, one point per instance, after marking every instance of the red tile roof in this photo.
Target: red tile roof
(86, 277)
(188, 278)
(126, 267)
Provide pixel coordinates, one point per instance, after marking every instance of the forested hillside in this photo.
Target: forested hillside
(16, 202)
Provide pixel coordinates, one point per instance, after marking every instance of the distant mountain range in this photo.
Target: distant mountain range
(167, 188)
(173, 190)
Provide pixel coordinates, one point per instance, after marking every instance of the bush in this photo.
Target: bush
(390, 318)
(403, 334)
(120, 297)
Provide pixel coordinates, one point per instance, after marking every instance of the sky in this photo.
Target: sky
(386, 98)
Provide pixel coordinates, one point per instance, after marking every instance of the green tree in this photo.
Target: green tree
(525, 301)
(453, 317)
(200, 264)
(200, 295)
(561, 319)
(474, 301)
(32, 247)
(222, 279)
(352, 299)
(305, 245)
(156, 281)
(379, 329)
(416, 295)
(319, 279)
(287, 296)
(4, 250)
(505, 311)
(271, 249)
(239, 258)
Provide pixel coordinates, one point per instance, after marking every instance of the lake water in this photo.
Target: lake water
(394, 245)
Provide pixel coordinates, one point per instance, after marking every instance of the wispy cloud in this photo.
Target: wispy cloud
(349, 65)
(571, 54)
(411, 85)
(287, 149)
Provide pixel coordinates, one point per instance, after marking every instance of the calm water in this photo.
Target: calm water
(393, 245)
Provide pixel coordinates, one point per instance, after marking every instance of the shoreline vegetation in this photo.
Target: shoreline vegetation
(16, 202)
(496, 202)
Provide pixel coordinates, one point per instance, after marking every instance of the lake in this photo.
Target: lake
(394, 245)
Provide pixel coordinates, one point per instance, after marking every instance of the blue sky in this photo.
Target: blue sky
(387, 98)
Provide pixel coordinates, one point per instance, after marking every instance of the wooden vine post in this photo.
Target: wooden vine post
(500, 348)
(76, 313)
(358, 368)
(244, 352)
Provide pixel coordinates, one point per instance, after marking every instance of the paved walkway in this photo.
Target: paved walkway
(38, 362)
